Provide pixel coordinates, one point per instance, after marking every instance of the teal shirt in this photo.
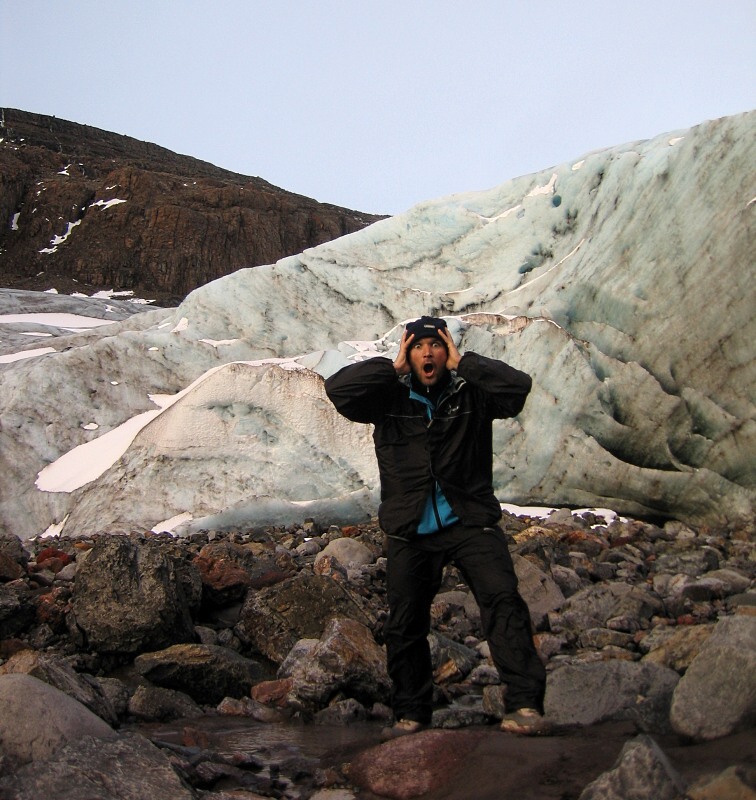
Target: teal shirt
(437, 513)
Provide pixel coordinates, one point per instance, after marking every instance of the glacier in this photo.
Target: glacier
(622, 282)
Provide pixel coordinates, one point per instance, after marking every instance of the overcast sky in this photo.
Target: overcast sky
(377, 105)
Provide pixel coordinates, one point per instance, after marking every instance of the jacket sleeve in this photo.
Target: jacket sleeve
(360, 391)
(504, 388)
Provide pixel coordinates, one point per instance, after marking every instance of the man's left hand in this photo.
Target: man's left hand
(452, 360)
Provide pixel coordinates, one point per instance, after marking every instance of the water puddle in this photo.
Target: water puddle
(271, 741)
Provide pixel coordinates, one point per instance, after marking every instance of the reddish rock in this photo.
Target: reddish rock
(50, 553)
(52, 609)
(223, 581)
(272, 693)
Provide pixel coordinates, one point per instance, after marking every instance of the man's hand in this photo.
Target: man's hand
(401, 363)
(452, 361)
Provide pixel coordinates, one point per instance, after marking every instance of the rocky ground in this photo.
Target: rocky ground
(249, 664)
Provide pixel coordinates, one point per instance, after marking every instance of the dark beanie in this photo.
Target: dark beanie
(427, 327)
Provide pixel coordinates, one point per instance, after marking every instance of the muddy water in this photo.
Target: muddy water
(272, 741)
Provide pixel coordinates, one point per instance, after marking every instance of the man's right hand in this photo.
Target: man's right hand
(401, 363)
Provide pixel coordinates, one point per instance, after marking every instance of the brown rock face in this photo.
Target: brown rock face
(84, 209)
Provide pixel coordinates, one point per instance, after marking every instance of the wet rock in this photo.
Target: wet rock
(249, 707)
(341, 712)
(37, 719)
(585, 694)
(717, 694)
(412, 765)
(134, 596)
(642, 772)
(207, 673)
(275, 618)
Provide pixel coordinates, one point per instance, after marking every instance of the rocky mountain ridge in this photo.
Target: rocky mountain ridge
(86, 208)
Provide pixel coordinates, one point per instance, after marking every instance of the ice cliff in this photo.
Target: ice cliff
(623, 282)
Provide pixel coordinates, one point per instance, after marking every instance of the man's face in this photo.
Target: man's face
(428, 361)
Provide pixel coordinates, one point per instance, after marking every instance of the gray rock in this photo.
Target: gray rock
(117, 692)
(675, 647)
(342, 712)
(585, 694)
(37, 719)
(451, 660)
(16, 609)
(618, 606)
(132, 596)
(642, 772)
(458, 715)
(12, 546)
(348, 552)
(539, 590)
(91, 768)
(717, 694)
(205, 672)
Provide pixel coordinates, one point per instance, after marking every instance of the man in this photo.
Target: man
(432, 409)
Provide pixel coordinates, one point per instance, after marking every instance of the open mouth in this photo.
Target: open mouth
(428, 369)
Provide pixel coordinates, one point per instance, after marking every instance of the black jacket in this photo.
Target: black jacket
(454, 448)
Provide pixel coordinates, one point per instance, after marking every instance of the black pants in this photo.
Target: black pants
(415, 572)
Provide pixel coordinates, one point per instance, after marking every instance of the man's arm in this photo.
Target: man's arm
(505, 387)
(359, 391)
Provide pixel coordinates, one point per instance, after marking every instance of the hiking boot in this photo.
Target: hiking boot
(526, 722)
(402, 728)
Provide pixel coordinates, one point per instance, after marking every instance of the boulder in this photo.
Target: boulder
(346, 661)
(717, 694)
(91, 768)
(585, 694)
(37, 719)
(275, 618)
(132, 596)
